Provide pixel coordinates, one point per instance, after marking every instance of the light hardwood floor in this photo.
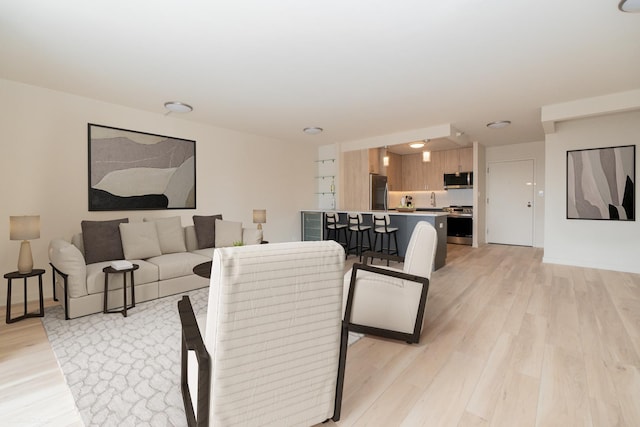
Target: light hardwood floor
(508, 341)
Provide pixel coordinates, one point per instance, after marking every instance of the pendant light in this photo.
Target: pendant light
(426, 155)
(385, 158)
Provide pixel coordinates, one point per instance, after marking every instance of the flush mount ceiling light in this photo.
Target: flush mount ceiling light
(499, 124)
(178, 107)
(312, 130)
(418, 144)
(632, 6)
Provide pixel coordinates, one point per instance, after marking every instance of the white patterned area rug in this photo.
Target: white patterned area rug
(125, 371)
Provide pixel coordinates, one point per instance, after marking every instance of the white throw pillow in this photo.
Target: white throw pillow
(170, 234)
(228, 233)
(139, 240)
(68, 259)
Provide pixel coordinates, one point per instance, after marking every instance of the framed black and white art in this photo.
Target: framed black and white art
(131, 170)
(601, 183)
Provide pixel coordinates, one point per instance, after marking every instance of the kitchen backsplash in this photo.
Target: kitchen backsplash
(422, 199)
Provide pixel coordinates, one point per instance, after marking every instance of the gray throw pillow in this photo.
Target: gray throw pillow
(101, 240)
(205, 227)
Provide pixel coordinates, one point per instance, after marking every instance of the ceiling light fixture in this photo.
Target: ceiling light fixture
(426, 155)
(178, 107)
(631, 6)
(312, 130)
(385, 157)
(499, 124)
(419, 144)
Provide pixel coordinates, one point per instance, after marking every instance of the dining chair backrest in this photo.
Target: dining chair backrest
(382, 220)
(421, 250)
(355, 220)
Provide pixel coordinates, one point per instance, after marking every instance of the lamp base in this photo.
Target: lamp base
(25, 260)
(259, 226)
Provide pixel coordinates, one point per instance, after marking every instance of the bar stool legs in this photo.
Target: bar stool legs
(356, 226)
(333, 226)
(381, 226)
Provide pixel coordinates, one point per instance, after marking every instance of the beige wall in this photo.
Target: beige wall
(43, 163)
(611, 245)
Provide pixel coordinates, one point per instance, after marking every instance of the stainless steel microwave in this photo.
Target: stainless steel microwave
(458, 180)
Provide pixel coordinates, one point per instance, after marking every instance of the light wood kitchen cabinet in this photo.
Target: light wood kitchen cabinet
(375, 160)
(458, 160)
(355, 185)
(413, 178)
(433, 171)
(394, 172)
(466, 159)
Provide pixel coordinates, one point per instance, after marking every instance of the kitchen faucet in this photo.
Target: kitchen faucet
(433, 199)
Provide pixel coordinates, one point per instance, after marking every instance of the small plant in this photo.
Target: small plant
(238, 243)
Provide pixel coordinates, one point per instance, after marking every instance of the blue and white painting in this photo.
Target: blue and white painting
(131, 170)
(601, 183)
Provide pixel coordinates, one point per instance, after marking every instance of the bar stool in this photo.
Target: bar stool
(332, 225)
(356, 225)
(381, 228)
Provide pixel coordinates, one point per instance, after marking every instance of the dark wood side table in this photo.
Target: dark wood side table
(17, 275)
(110, 270)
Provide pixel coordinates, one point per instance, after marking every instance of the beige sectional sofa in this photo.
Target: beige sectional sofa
(165, 251)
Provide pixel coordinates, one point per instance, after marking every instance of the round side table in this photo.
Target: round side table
(17, 275)
(110, 270)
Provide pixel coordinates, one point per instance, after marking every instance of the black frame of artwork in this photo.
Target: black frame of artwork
(131, 170)
(599, 171)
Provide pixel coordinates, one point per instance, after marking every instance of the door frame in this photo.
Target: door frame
(533, 197)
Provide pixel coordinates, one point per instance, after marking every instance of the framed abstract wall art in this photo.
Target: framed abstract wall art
(131, 170)
(601, 183)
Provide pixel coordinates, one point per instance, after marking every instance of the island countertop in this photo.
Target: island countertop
(390, 212)
(313, 226)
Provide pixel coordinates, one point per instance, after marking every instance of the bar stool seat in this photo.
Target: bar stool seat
(381, 227)
(357, 226)
(335, 227)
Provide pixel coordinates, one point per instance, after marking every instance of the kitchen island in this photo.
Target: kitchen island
(313, 227)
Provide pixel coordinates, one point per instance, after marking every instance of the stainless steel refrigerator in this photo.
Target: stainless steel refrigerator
(378, 192)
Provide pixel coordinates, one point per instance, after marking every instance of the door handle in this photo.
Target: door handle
(528, 204)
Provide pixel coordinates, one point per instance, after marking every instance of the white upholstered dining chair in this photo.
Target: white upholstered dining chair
(387, 301)
(274, 346)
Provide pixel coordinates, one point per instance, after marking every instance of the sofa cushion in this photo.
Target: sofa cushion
(251, 236)
(206, 230)
(206, 252)
(146, 273)
(101, 240)
(170, 234)
(140, 240)
(175, 265)
(68, 259)
(228, 233)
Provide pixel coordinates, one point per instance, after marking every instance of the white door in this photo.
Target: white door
(510, 202)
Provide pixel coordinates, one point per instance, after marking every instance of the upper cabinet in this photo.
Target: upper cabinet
(394, 172)
(434, 171)
(404, 173)
(413, 176)
(428, 176)
(459, 160)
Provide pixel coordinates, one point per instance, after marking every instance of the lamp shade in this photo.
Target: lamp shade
(259, 216)
(26, 227)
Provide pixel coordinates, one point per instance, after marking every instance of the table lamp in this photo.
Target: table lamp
(24, 228)
(259, 217)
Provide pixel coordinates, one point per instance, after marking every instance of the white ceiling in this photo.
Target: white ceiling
(357, 68)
